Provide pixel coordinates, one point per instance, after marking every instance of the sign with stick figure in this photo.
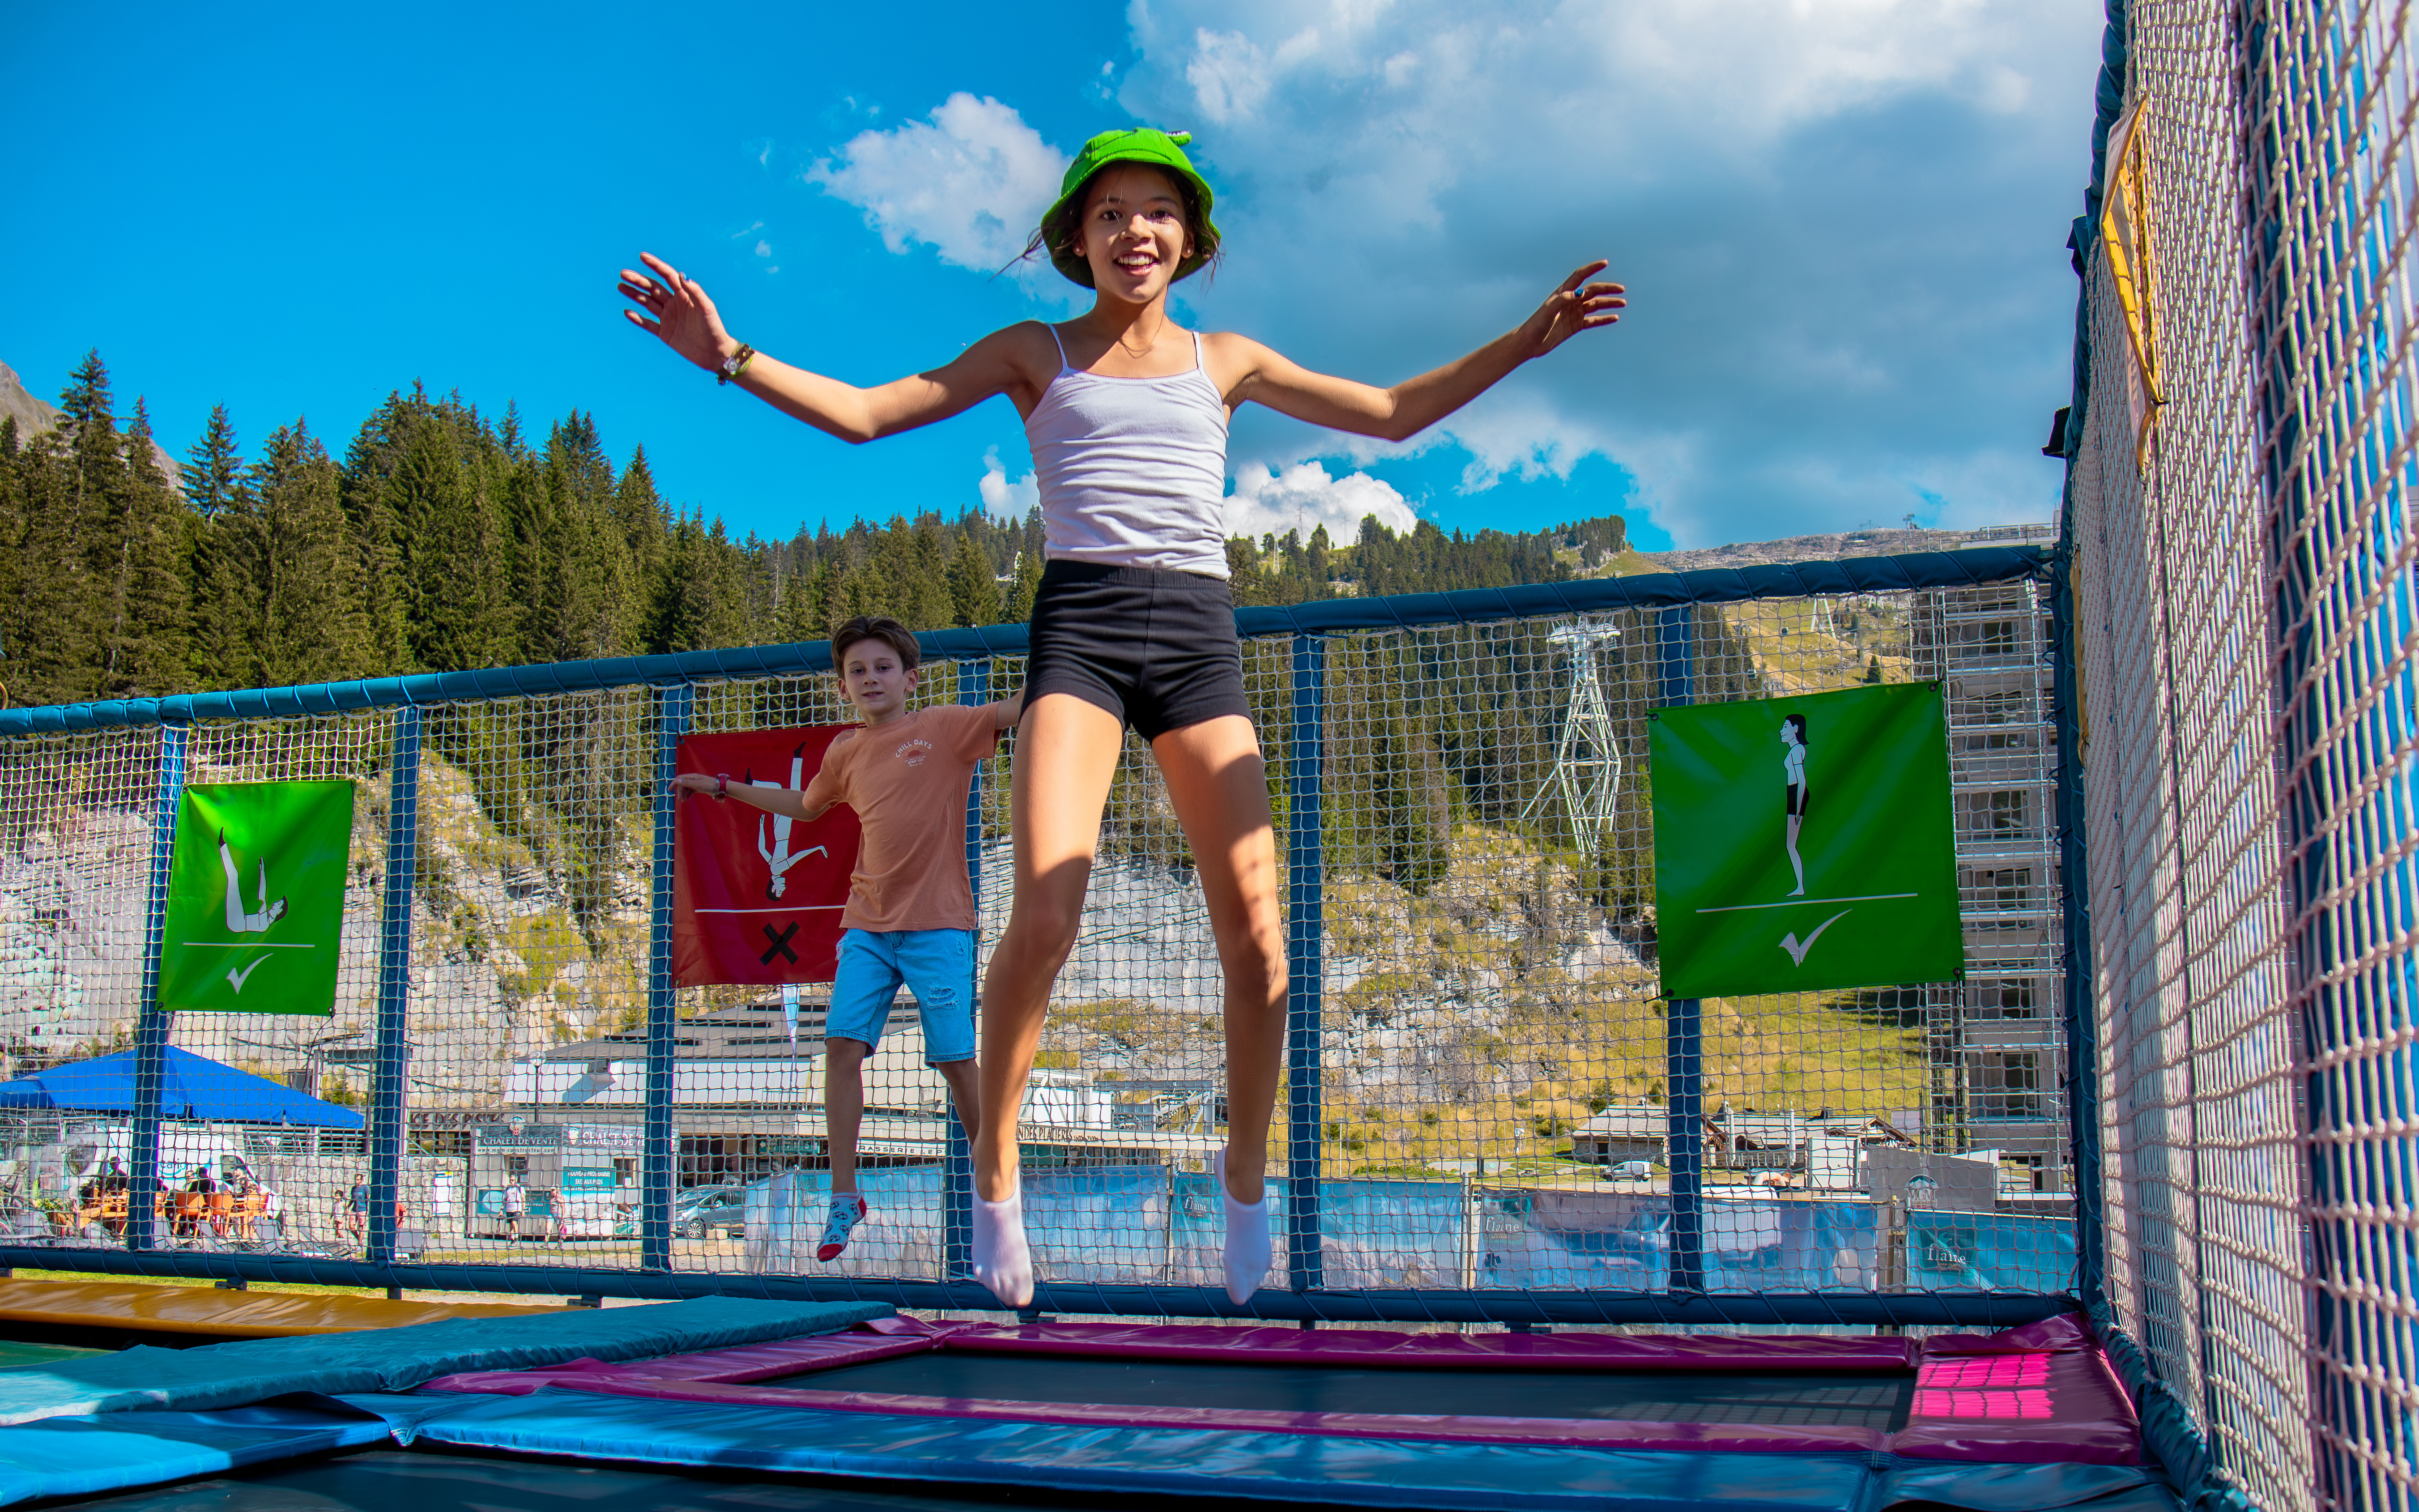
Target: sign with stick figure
(256, 898)
(1805, 842)
(757, 896)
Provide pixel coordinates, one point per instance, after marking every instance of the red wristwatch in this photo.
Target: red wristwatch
(721, 786)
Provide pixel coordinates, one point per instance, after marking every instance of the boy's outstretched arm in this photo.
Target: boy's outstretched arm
(788, 802)
(1006, 712)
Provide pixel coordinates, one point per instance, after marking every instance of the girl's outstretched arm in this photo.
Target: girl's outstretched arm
(689, 323)
(1257, 372)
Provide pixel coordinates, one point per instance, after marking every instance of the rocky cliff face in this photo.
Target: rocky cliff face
(33, 417)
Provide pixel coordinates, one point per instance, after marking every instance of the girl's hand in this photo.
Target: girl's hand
(693, 781)
(1569, 310)
(683, 316)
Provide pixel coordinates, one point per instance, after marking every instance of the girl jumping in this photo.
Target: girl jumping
(1133, 625)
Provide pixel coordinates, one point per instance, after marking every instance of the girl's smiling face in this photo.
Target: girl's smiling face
(1135, 232)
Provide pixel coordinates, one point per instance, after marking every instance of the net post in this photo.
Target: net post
(672, 707)
(1683, 1028)
(393, 987)
(958, 1163)
(1305, 922)
(2082, 1026)
(151, 1027)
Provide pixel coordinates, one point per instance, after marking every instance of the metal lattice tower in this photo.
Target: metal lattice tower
(1587, 759)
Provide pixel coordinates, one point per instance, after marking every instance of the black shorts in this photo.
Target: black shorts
(1155, 648)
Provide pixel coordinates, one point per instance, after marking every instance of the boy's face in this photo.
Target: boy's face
(873, 677)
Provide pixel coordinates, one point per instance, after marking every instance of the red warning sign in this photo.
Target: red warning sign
(756, 897)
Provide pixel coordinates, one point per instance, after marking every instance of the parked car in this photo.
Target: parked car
(703, 1211)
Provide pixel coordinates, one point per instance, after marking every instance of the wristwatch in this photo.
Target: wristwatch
(721, 786)
(735, 363)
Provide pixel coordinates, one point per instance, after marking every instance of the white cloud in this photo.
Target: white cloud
(1303, 498)
(1839, 223)
(764, 249)
(1229, 76)
(971, 182)
(1001, 497)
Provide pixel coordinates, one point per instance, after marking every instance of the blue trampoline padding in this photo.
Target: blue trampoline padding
(2026, 1488)
(398, 1359)
(97, 1453)
(1137, 1462)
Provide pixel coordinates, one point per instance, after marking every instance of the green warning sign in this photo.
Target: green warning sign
(1805, 842)
(256, 898)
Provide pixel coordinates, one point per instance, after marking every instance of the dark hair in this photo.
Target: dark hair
(1796, 721)
(1197, 224)
(880, 628)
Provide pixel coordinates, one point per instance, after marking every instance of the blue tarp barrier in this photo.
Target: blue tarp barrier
(1113, 1224)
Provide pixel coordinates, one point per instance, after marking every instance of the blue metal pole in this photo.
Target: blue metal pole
(151, 1028)
(388, 1087)
(672, 705)
(1305, 923)
(958, 1163)
(1684, 1029)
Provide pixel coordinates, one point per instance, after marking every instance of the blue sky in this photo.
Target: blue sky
(1841, 221)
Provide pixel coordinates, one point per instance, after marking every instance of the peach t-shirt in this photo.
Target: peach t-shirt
(907, 781)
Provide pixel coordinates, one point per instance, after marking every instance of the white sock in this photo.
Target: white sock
(1002, 1262)
(1247, 1237)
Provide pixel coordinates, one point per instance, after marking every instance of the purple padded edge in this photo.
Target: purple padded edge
(2069, 1409)
(749, 1362)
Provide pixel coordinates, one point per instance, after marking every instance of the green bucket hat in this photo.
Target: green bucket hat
(1139, 144)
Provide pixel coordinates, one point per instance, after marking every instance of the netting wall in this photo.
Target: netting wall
(1488, 1111)
(2244, 562)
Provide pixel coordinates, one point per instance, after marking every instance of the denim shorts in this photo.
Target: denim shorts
(937, 966)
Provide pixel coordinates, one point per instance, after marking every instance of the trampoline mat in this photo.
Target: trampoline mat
(1877, 1400)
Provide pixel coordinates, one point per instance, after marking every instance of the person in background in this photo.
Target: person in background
(910, 918)
(356, 1208)
(516, 1203)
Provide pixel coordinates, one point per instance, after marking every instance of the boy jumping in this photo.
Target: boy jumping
(911, 912)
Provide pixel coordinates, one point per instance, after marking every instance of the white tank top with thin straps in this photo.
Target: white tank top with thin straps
(1132, 471)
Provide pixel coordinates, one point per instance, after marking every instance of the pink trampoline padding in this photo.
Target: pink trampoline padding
(2063, 1406)
(1386, 1350)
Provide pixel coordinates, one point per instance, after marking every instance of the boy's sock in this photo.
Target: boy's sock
(1247, 1237)
(847, 1211)
(1002, 1262)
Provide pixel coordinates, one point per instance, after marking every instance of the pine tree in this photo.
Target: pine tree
(638, 515)
(371, 525)
(286, 591)
(1019, 607)
(48, 633)
(213, 468)
(13, 564)
(144, 636)
(450, 543)
(582, 602)
(974, 595)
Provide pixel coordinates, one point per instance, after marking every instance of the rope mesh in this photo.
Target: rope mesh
(1482, 1098)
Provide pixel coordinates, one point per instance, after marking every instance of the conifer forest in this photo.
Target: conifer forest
(438, 538)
